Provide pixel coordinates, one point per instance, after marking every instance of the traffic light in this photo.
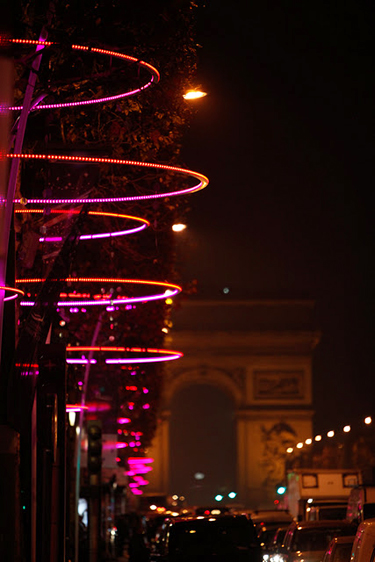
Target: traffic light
(94, 450)
(280, 489)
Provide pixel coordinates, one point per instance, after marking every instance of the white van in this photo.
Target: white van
(364, 542)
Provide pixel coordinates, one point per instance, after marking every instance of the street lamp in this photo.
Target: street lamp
(194, 94)
(178, 227)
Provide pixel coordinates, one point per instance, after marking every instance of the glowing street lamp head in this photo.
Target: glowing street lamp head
(194, 95)
(178, 227)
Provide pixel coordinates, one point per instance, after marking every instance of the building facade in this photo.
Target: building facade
(260, 354)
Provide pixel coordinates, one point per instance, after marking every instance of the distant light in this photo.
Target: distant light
(153, 507)
(179, 227)
(199, 476)
(308, 441)
(299, 445)
(289, 450)
(232, 495)
(226, 290)
(331, 433)
(281, 490)
(368, 420)
(318, 437)
(310, 500)
(194, 95)
(72, 418)
(168, 301)
(347, 428)
(219, 497)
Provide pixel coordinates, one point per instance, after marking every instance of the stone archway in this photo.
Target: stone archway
(202, 443)
(263, 362)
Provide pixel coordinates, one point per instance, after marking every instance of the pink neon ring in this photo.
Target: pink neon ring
(75, 407)
(15, 292)
(203, 181)
(144, 224)
(155, 76)
(158, 354)
(170, 290)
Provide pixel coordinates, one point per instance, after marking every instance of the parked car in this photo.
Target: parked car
(225, 538)
(308, 540)
(364, 543)
(339, 549)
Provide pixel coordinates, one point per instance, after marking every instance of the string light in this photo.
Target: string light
(155, 76)
(170, 289)
(144, 224)
(154, 355)
(14, 293)
(346, 429)
(202, 180)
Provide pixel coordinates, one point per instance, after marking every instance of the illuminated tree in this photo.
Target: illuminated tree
(147, 127)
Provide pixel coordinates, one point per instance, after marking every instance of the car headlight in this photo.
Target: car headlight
(277, 558)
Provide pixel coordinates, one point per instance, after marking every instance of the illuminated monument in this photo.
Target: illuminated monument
(259, 353)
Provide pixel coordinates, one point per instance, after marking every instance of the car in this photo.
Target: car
(272, 542)
(308, 540)
(271, 518)
(222, 538)
(211, 510)
(364, 542)
(339, 549)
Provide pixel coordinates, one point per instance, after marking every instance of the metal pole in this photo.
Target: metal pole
(79, 434)
(15, 164)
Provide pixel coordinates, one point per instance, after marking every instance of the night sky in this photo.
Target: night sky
(286, 137)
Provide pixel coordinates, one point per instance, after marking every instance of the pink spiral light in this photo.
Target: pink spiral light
(202, 180)
(144, 223)
(168, 290)
(14, 293)
(154, 355)
(155, 76)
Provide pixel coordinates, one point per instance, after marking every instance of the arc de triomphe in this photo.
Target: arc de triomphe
(259, 352)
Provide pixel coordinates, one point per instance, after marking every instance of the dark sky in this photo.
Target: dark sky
(286, 137)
